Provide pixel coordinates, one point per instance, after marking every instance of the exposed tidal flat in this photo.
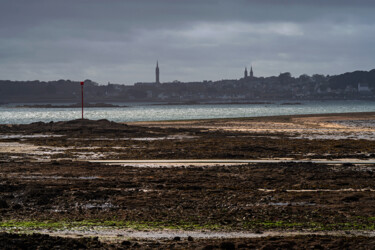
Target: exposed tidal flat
(151, 112)
(50, 185)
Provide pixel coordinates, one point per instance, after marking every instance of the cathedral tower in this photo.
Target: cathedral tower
(157, 72)
(245, 74)
(251, 72)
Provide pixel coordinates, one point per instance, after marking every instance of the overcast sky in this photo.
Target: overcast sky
(119, 41)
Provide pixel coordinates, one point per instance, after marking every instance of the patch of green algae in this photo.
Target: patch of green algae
(361, 224)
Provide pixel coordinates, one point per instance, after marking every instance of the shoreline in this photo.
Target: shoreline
(355, 115)
(325, 116)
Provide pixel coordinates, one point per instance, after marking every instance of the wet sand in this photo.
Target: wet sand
(46, 178)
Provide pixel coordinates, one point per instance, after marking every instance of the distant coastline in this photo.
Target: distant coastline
(224, 103)
(76, 105)
(209, 103)
(357, 85)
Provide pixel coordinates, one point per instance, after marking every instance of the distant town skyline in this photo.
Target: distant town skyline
(120, 41)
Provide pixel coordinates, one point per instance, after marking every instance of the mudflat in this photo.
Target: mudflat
(48, 185)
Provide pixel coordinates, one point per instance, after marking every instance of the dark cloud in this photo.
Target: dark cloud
(119, 41)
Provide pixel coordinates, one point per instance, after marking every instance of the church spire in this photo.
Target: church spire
(251, 71)
(245, 74)
(157, 73)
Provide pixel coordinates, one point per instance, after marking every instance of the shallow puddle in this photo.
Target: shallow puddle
(354, 136)
(25, 148)
(169, 137)
(96, 206)
(55, 177)
(290, 204)
(320, 190)
(14, 136)
(172, 165)
(117, 235)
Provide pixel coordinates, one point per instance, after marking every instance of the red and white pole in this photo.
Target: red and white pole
(82, 97)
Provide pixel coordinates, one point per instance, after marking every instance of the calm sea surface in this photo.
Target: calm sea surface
(144, 112)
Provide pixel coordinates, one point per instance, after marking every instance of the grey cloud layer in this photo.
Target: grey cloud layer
(119, 41)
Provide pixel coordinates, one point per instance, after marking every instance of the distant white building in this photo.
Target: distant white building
(363, 88)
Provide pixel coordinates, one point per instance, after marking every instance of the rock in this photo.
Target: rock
(209, 247)
(190, 238)
(3, 204)
(16, 206)
(177, 238)
(227, 245)
(351, 198)
(348, 165)
(317, 246)
(126, 243)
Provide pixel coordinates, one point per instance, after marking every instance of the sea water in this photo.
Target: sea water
(149, 112)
